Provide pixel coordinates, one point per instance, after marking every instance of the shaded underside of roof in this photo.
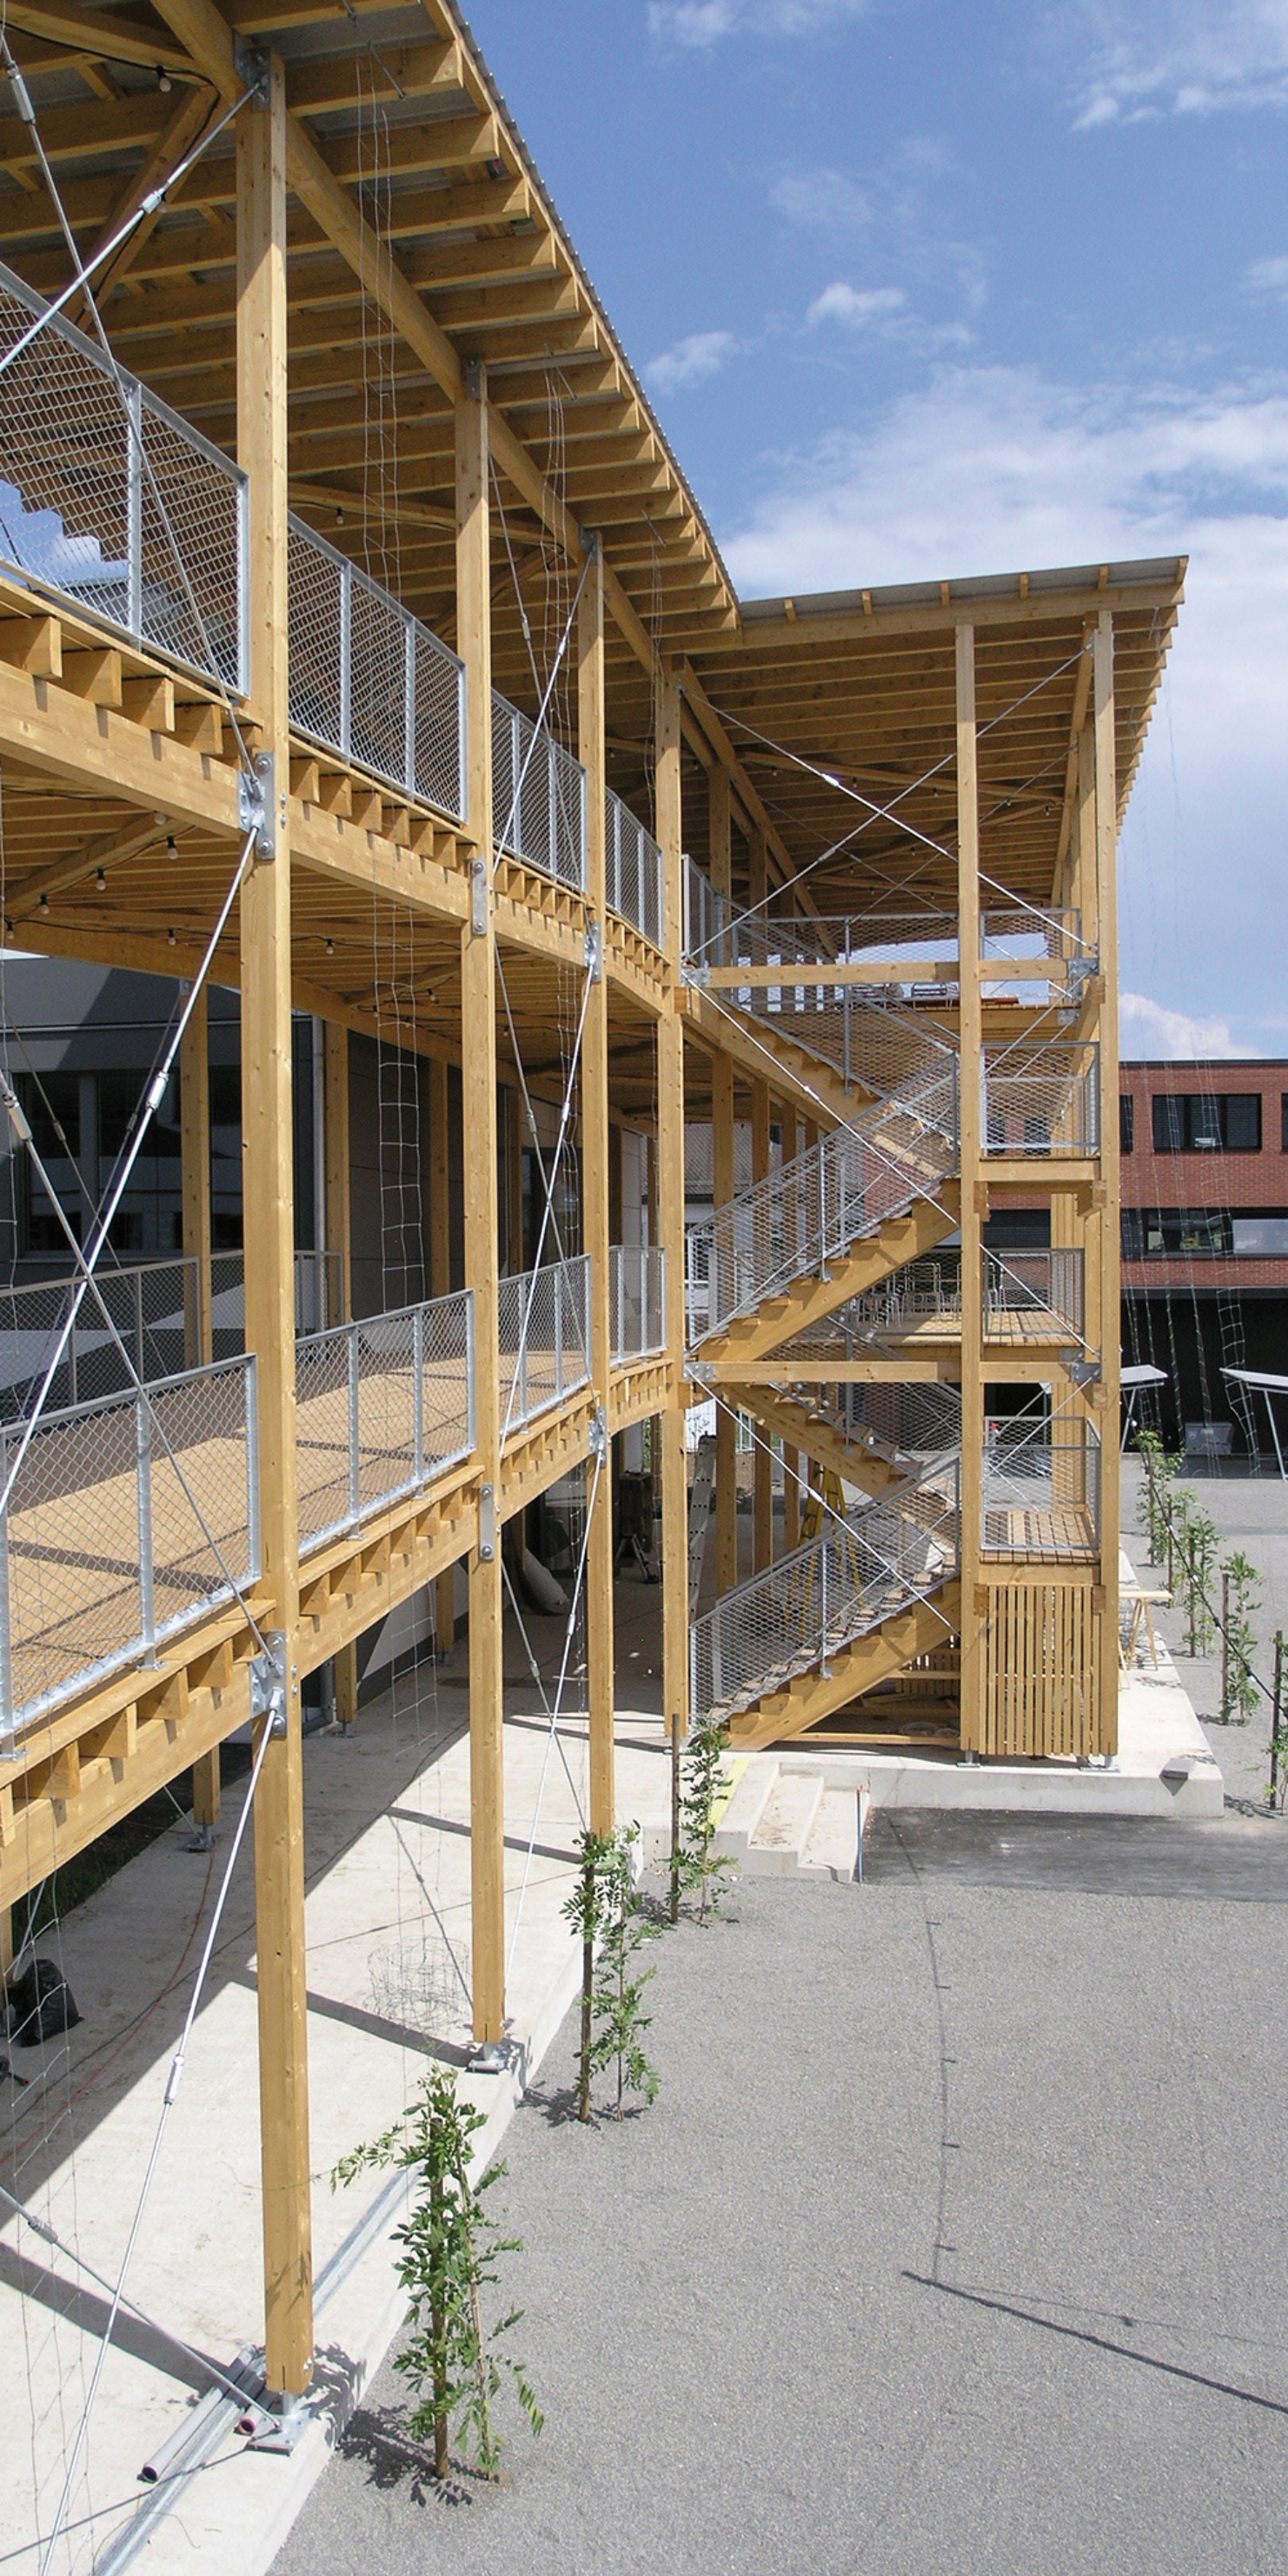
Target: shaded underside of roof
(421, 240)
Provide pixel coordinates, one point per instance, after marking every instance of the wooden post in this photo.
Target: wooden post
(596, 1189)
(265, 926)
(198, 1319)
(720, 846)
(337, 1234)
(974, 1610)
(194, 1132)
(762, 1520)
(338, 1217)
(482, 1245)
(440, 1282)
(722, 1141)
(1106, 1217)
(670, 1193)
(791, 1457)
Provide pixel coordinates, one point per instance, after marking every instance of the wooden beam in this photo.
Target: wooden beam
(265, 938)
(440, 1284)
(99, 34)
(1105, 1223)
(596, 1199)
(974, 1198)
(670, 1153)
(482, 1244)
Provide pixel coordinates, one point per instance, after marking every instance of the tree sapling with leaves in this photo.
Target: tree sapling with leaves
(695, 1864)
(1241, 1595)
(621, 2021)
(450, 2250)
(586, 1910)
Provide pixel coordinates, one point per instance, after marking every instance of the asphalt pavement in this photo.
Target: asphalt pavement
(953, 2246)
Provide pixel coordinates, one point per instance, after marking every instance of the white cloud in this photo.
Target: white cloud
(1149, 1029)
(692, 361)
(856, 307)
(996, 469)
(1142, 58)
(824, 197)
(699, 23)
(1268, 276)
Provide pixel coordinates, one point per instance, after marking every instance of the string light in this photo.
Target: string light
(101, 882)
(171, 846)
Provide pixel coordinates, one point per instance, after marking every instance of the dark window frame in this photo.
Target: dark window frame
(1206, 1122)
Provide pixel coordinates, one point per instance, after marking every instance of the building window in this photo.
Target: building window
(1283, 1120)
(1157, 1234)
(1261, 1237)
(1126, 1123)
(1205, 1122)
(53, 1109)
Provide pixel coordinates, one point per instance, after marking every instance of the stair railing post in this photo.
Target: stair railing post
(418, 1394)
(355, 1488)
(147, 1570)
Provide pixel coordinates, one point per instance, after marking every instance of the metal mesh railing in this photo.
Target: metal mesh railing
(154, 1305)
(538, 796)
(382, 1407)
(118, 504)
(825, 1595)
(544, 1339)
(865, 1036)
(816, 1207)
(103, 1553)
(1041, 1488)
(637, 1291)
(1022, 930)
(1020, 1285)
(370, 681)
(912, 1421)
(1041, 1100)
(633, 870)
(717, 935)
(319, 1295)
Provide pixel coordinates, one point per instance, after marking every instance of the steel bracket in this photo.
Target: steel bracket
(255, 800)
(595, 951)
(268, 1682)
(251, 66)
(478, 897)
(599, 1437)
(487, 1524)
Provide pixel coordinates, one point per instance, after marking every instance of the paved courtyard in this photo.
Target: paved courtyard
(954, 2242)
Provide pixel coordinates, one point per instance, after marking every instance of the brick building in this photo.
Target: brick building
(1205, 1229)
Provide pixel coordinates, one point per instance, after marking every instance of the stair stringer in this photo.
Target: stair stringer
(810, 1300)
(778, 1411)
(811, 1086)
(914, 1630)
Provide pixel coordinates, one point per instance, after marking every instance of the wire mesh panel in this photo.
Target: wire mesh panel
(112, 499)
(1027, 1289)
(1030, 931)
(319, 1296)
(544, 1339)
(1041, 1099)
(382, 1407)
(129, 1519)
(538, 796)
(1041, 1488)
(370, 681)
(637, 1291)
(815, 1208)
(864, 1034)
(821, 1598)
(633, 871)
(914, 1421)
(154, 1307)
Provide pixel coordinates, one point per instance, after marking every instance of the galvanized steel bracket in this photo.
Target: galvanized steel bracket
(268, 1682)
(255, 800)
(595, 951)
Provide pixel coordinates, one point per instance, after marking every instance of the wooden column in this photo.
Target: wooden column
(440, 1283)
(482, 1249)
(762, 1524)
(791, 1457)
(194, 1125)
(722, 1148)
(265, 930)
(596, 1200)
(974, 1611)
(198, 1321)
(338, 1237)
(1106, 1216)
(720, 849)
(670, 1193)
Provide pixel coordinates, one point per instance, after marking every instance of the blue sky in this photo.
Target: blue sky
(924, 288)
